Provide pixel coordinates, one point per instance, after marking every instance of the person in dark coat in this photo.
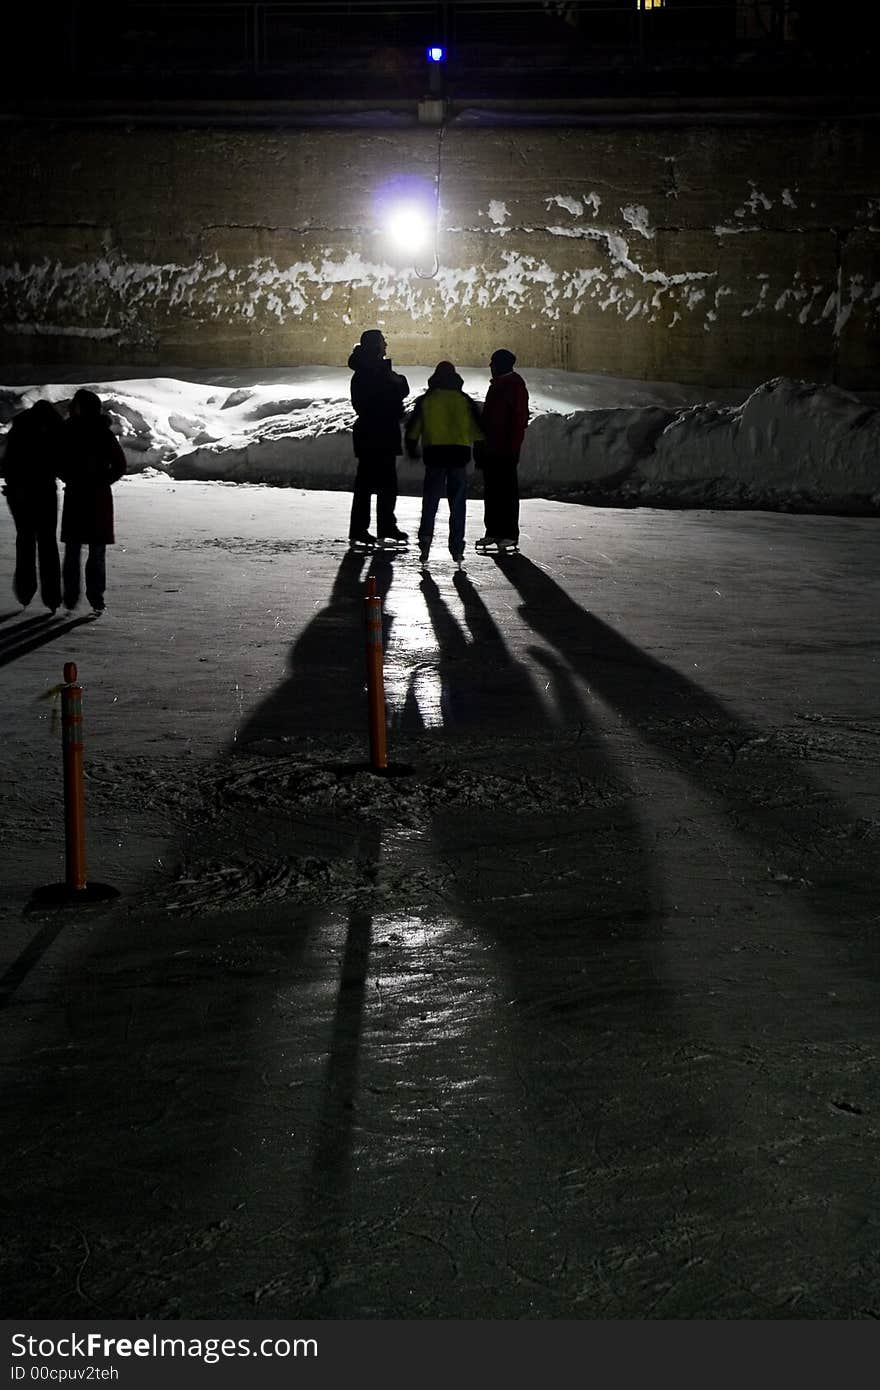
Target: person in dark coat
(30, 468)
(505, 416)
(377, 394)
(93, 461)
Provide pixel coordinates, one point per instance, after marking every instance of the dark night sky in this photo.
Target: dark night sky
(360, 49)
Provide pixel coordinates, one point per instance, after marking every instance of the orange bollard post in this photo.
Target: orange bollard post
(74, 796)
(76, 889)
(375, 678)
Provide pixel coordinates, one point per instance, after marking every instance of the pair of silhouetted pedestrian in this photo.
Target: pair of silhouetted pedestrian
(87, 457)
(447, 424)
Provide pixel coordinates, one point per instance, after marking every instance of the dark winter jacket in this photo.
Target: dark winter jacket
(93, 461)
(377, 394)
(505, 416)
(446, 421)
(34, 447)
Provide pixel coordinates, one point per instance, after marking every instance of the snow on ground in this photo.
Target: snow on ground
(786, 445)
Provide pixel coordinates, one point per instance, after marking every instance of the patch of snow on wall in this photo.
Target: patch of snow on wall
(636, 216)
(112, 297)
(497, 212)
(572, 205)
(121, 292)
(755, 200)
(576, 206)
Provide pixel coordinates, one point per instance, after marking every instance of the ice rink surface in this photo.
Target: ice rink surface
(576, 1019)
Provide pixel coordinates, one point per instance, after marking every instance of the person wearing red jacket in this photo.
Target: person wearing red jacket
(505, 416)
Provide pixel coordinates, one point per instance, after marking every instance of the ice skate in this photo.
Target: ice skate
(394, 540)
(424, 552)
(485, 543)
(507, 547)
(364, 541)
(458, 561)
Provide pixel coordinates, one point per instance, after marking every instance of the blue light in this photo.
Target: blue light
(436, 54)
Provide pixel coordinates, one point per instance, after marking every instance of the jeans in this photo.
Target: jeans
(452, 481)
(375, 473)
(96, 574)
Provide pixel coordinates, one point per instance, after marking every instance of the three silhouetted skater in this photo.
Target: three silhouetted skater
(446, 425)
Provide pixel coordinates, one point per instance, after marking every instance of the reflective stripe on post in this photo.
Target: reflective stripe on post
(74, 796)
(375, 677)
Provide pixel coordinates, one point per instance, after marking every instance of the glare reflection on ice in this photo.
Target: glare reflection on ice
(427, 692)
(411, 633)
(412, 929)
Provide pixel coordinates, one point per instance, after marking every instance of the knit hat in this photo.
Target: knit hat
(503, 361)
(372, 339)
(445, 375)
(87, 403)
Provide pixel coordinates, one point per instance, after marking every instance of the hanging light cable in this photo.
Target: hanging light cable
(431, 274)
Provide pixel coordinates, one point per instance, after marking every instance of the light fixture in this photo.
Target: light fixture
(409, 228)
(407, 211)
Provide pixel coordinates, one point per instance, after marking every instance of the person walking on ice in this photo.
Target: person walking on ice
(505, 417)
(377, 394)
(447, 422)
(92, 462)
(30, 468)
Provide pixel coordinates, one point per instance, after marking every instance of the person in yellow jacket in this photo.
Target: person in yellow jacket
(447, 422)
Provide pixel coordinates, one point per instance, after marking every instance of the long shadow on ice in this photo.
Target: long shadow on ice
(325, 683)
(323, 701)
(36, 632)
(805, 835)
(774, 992)
(558, 1131)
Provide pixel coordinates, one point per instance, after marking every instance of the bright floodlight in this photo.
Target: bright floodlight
(409, 228)
(436, 54)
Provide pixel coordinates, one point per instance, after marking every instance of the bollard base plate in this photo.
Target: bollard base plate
(61, 895)
(352, 769)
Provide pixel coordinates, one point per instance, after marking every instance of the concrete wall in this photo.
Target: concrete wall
(714, 254)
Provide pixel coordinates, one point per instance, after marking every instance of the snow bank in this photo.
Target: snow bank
(792, 445)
